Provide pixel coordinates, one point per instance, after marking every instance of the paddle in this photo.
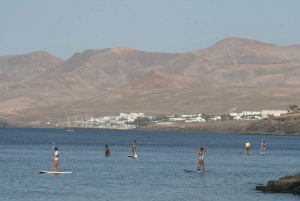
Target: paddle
(52, 165)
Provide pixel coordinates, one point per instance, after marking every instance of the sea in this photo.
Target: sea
(156, 174)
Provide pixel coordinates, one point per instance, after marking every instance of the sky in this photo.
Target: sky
(65, 27)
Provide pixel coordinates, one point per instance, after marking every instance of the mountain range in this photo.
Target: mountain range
(232, 75)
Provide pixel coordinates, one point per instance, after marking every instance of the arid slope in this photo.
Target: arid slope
(234, 74)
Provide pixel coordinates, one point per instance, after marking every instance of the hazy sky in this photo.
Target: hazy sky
(64, 27)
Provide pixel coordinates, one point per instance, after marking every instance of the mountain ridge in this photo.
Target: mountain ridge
(120, 79)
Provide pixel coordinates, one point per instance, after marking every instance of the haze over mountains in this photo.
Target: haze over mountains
(234, 74)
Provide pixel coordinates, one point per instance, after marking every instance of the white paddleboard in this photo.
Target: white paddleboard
(135, 156)
(54, 172)
(248, 153)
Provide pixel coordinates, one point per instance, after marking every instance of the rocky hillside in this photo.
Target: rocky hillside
(109, 67)
(26, 67)
(160, 80)
(283, 125)
(234, 74)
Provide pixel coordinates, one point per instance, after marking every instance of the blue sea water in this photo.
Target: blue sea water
(157, 174)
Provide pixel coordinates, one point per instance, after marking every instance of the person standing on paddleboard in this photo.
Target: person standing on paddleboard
(247, 147)
(133, 148)
(201, 158)
(56, 156)
(107, 151)
(263, 147)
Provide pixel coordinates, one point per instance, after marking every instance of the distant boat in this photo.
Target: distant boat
(69, 129)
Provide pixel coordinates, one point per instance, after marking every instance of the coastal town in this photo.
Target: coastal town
(134, 120)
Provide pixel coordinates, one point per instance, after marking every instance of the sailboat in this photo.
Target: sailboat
(69, 129)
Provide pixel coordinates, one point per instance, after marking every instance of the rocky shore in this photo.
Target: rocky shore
(283, 125)
(216, 126)
(286, 184)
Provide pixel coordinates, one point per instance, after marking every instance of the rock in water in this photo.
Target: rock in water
(286, 184)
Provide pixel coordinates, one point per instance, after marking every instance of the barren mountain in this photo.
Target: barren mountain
(120, 65)
(22, 68)
(246, 62)
(160, 80)
(234, 74)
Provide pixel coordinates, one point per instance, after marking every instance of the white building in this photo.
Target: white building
(131, 117)
(92, 120)
(200, 119)
(177, 119)
(237, 117)
(251, 113)
(276, 113)
(234, 114)
(186, 116)
(216, 118)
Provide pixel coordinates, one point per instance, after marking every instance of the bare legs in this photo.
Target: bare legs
(200, 164)
(56, 165)
(133, 151)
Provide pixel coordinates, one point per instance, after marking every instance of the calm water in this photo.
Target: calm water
(157, 174)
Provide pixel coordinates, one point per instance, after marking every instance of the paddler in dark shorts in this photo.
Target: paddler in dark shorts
(247, 147)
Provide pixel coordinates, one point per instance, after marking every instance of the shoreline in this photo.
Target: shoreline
(174, 128)
(286, 125)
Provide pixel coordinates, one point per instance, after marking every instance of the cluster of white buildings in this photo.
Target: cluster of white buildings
(123, 121)
(250, 115)
(126, 121)
(188, 118)
(245, 115)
